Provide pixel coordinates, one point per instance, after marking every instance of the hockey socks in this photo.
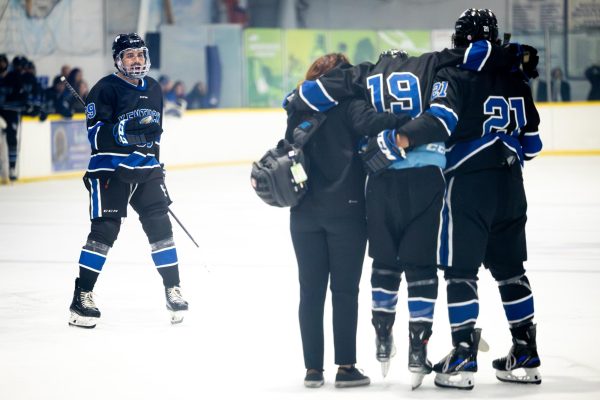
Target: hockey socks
(164, 255)
(91, 260)
(463, 308)
(422, 285)
(517, 300)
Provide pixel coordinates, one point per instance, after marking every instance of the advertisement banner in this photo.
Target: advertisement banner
(358, 46)
(302, 47)
(264, 67)
(69, 145)
(414, 43)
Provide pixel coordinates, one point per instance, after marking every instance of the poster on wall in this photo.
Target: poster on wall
(302, 48)
(69, 145)
(264, 67)
(358, 45)
(536, 15)
(583, 14)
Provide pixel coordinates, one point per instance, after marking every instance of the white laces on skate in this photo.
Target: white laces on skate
(174, 295)
(87, 300)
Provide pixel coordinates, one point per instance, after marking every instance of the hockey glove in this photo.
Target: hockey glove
(381, 151)
(136, 131)
(530, 61)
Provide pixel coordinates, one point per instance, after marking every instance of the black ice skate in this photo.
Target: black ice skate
(418, 363)
(457, 369)
(384, 341)
(175, 304)
(84, 312)
(521, 364)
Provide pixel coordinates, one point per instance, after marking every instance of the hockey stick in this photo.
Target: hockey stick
(78, 97)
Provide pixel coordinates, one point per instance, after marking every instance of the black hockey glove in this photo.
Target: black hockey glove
(530, 61)
(379, 152)
(136, 131)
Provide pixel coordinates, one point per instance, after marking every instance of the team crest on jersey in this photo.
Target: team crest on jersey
(439, 89)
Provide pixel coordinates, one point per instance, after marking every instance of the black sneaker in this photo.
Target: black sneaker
(350, 377)
(314, 378)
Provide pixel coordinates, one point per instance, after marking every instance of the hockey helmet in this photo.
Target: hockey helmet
(474, 25)
(393, 53)
(127, 41)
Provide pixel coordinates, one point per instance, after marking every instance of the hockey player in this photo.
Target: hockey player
(124, 126)
(405, 192)
(493, 127)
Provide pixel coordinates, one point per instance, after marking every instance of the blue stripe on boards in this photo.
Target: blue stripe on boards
(315, 96)
(91, 260)
(517, 311)
(165, 257)
(459, 314)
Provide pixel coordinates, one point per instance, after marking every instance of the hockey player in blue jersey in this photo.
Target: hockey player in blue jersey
(492, 125)
(405, 191)
(124, 124)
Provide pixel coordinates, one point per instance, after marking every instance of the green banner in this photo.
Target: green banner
(303, 47)
(358, 46)
(414, 43)
(264, 67)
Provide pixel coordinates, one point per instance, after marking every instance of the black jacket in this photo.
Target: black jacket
(336, 179)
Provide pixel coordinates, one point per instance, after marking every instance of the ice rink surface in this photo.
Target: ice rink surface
(241, 338)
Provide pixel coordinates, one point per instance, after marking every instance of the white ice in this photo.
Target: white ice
(241, 337)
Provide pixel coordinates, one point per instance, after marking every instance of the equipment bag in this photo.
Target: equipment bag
(280, 177)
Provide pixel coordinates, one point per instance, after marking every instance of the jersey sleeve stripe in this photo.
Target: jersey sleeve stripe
(445, 115)
(315, 96)
(93, 134)
(477, 55)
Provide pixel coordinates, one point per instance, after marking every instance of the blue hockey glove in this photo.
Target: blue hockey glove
(135, 131)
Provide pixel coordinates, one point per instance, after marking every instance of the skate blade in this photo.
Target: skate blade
(176, 317)
(82, 322)
(483, 346)
(416, 380)
(385, 367)
(520, 375)
(461, 380)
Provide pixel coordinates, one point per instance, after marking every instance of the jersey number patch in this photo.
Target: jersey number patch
(90, 110)
(503, 113)
(403, 87)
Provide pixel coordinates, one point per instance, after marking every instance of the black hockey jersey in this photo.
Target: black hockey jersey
(490, 119)
(111, 100)
(401, 86)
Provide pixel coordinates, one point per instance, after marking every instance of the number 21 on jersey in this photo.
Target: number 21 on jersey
(501, 116)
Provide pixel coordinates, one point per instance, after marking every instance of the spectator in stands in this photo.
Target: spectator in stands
(197, 97)
(65, 70)
(165, 84)
(560, 90)
(175, 102)
(82, 89)
(74, 77)
(593, 75)
(53, 97)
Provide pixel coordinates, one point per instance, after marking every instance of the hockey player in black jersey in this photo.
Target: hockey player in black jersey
(492, 125)
(405, 191)
(124, 127)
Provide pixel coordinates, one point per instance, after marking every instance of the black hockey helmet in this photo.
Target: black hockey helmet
(393, 53)
(474, 25)
(126, 41)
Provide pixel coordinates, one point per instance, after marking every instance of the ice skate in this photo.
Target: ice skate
(457, 369)
(522, 362)
(418, 364)
(175, 304)
(84, 313)
(384, 341)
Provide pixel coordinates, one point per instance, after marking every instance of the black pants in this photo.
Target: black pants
(328, 247)
(13, 120)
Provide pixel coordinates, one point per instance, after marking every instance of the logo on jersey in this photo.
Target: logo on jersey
(90, 110)
(439, 89)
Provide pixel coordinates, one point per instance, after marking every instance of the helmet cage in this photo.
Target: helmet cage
(133, 71)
